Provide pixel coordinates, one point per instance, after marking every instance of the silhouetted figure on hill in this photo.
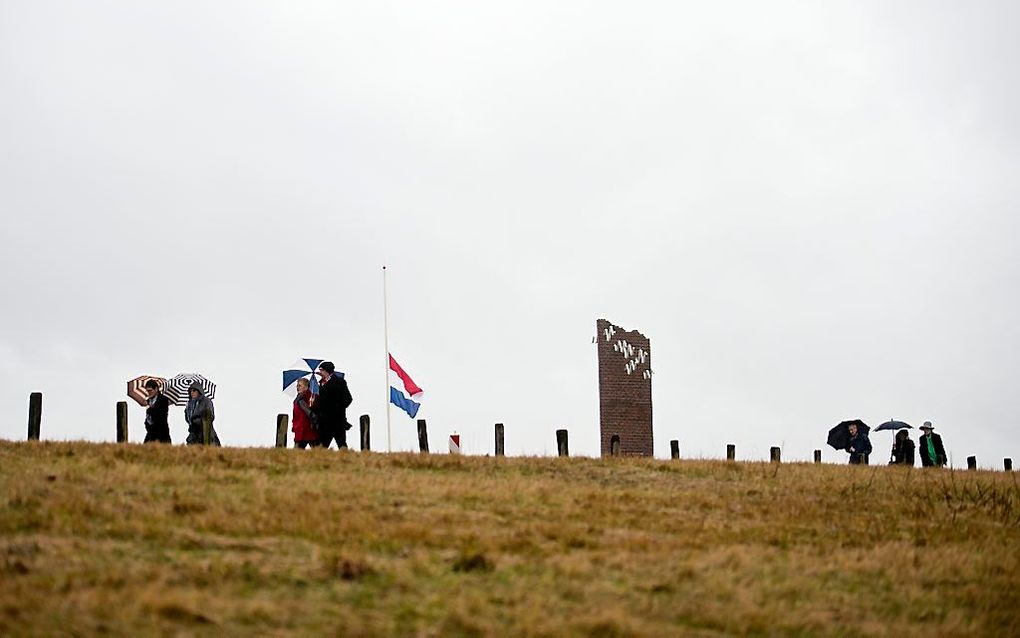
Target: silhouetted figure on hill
(930, 446)
(329, 409)
(859, 445)
(902, 450)
(157, 428)
(200, 407)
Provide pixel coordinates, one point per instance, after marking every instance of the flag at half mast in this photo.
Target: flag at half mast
(403, 399)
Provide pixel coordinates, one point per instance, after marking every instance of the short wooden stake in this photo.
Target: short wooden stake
(674, 449)
(281, 430)
(500, 450)
(366, 433)
(731, 452)
(206, 430)
(122, 422)
(561, 443)
(774, 455)
(1007, 464)
(34, 415)
(818, 456)
(423, 437)
(971, 462)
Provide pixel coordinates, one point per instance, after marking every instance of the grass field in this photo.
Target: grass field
(151, 540)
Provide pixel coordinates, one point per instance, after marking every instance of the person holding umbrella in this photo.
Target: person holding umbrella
(305, 433)
(157, 429)
(200, 408)
(932, 452)
(902, 450)
(329, 410)
(859, 445)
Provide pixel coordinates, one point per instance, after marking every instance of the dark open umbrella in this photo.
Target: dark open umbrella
(892, 425)
(839, 436)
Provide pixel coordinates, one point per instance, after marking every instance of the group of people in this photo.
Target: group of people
(929, 446)
(197, 412)
(318, 419)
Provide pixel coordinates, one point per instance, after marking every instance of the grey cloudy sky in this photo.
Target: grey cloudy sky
(810, 209)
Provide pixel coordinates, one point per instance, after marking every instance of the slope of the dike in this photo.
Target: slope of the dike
(152, 540)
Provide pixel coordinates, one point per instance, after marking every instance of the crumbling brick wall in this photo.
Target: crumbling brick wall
(625, 389)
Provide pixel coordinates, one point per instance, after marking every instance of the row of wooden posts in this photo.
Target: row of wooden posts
(282, 422)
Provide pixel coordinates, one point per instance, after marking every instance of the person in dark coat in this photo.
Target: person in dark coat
(305, 433)
(902, 450)
(157, 428)
(199, 407)
(329, 410)
(930, 447)
(859, 445)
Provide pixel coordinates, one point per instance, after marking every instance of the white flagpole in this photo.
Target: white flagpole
(386, 343)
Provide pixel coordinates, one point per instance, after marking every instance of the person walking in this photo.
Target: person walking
(902, 450)
(304, 430)
(932, 452)
(199, 408)
(157, 428)
(859, 445)
(329, 409)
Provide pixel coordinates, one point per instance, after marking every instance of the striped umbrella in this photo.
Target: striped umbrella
(136, 388)
(177, 387)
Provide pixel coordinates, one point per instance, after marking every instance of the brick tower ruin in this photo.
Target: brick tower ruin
(625, 390)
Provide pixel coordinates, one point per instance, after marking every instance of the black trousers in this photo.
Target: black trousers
(303, 444)
(329, 433)
(157, 436)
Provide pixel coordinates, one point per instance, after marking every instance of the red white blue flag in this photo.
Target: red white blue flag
(403, 389)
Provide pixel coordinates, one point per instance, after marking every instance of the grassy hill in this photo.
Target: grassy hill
(144, 540)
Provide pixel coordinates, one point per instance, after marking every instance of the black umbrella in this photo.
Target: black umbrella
(839, 436)
(893, 425)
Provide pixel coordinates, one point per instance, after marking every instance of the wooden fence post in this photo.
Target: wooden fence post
(366, 433)
(731, 452)
(206, 430)
(561, 443)
(500, 450)
(122, 422)
(1007, 464)
(818, 456)
(971, 462)
(674, 449)
(775, 455)
(614, 446)
(423, 437)
(281, 430)
(34, 415)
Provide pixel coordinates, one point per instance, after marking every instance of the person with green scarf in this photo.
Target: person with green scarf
(930, 447)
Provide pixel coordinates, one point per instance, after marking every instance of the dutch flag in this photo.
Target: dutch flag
(403, 400)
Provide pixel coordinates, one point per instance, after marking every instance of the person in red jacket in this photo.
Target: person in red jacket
(304, 430)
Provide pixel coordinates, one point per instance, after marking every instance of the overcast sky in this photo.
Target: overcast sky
(811, 209)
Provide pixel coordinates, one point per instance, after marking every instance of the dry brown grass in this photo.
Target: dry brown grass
(142, 540)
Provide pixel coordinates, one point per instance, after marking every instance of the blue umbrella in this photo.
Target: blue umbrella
(893, 425)
(303, 369)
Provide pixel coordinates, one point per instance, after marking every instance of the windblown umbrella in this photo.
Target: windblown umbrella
(303, 369)
(176, 388)
(136, 388)
(893, 425)
(839, 436)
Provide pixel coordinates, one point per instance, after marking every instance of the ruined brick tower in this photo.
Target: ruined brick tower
(625, 390)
